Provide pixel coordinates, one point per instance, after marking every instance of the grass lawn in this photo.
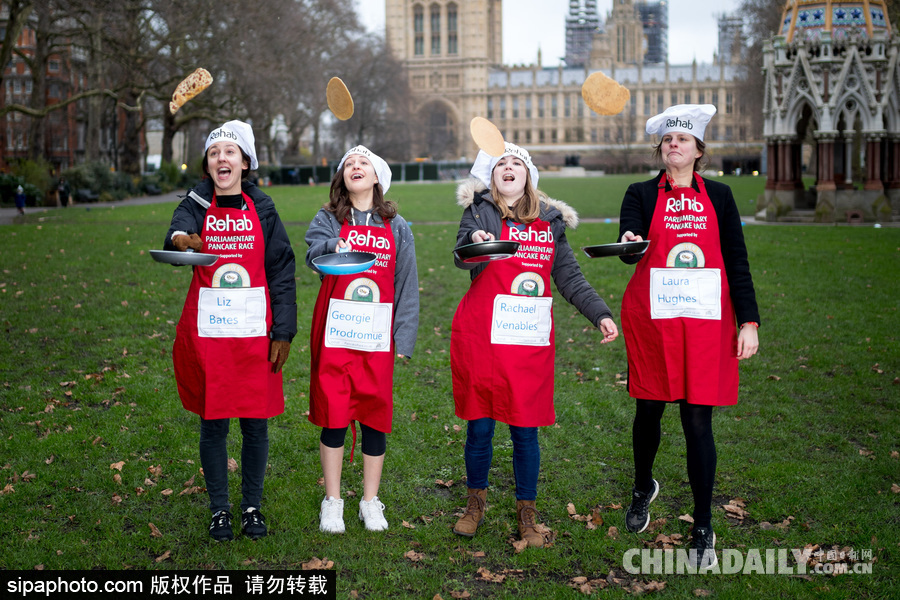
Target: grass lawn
(95, 445)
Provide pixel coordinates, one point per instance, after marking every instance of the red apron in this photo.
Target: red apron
(677, 316)
(352, 346)
(502, 339)
(221, 352)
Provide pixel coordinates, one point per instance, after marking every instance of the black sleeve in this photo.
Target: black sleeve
(734, 253)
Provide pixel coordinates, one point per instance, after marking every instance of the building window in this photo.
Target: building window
(541, 108)
(419, 29)
(554, 138)
(452, 33)
(647, 104)
(660, 102)
(528, 107)
(435, 29)
(418, 81)
(503, 107)
(729, 103)
(715, 99)
(528, 136)
(515, 107)
(53, 66)
(490, 108)
(554, 108)
(567, 106)
(701, 97)
(729, 132)
(674, 98)
(541, 136)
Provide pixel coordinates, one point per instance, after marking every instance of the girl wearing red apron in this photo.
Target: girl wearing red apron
(502, 341)
(679, 312)
(237, 323)
(360, 323)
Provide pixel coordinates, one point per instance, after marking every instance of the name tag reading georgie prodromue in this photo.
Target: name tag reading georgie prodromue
(692, 293)
(358, 325)
(231, 312)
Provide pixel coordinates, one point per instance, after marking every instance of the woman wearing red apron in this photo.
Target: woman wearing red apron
(360, 323)
(502, 341)
(689, 290)
(238, 320)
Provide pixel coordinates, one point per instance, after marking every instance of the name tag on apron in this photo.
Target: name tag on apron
(693, 293)
(521, 320)
(231, 312)
(357, 325)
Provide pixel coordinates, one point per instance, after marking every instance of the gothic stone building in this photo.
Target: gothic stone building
(452, 51)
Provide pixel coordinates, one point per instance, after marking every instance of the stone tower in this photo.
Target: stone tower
(448, 48)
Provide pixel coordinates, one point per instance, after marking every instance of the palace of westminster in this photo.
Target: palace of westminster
(452, 51)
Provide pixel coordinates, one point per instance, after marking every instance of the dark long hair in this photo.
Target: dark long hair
(699, 163)
(339, 200)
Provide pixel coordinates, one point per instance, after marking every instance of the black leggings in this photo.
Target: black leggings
(696, 421)
(374, 442)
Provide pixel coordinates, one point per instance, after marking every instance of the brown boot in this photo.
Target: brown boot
(526, 514)
(475, 505)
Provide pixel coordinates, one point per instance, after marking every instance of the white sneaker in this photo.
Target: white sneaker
(372, 514)
(331, 516)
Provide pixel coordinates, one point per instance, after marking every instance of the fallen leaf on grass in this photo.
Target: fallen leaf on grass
(639, 587)
(154, 531)
(486, 575)
(519, 545)
(701, 593)
(192, 490)
(117, 466)
(189, 482)
(232, 465)
(612, 533)
(686, 518)
(463, 595)
(164, 556)
(655, 525)
(443, 483)
(156, 471)
(774, 377)
(316, 564)
(50, 460)
(414, 556)
(117, 499)
(167, 492)
(895, 488)
(408, 526)
(117, 478)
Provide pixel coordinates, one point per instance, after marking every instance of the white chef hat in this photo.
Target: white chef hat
(239, 132)
(485, 163)
(382, 170)
(686, 118)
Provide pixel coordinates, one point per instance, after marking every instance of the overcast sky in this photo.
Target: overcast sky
(693, 29)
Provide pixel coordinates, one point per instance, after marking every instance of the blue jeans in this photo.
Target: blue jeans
(214, 459)
(526, 456)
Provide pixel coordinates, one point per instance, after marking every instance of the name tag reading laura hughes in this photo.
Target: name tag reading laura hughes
(693, 293)
(231, 312)
(521, 320)
(357, 325)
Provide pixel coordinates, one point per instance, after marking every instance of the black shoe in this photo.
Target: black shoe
(220, 526)
(702, 554)
(253, 524)
(637, 517)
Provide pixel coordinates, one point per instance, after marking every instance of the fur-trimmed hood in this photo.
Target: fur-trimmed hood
(468, 188)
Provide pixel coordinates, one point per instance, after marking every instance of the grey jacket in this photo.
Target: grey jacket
(323, 235)
(481, 213)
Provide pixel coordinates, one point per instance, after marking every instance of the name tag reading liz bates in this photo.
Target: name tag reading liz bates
(231, 312)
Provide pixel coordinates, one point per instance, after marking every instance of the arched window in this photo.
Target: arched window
(419, 29)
